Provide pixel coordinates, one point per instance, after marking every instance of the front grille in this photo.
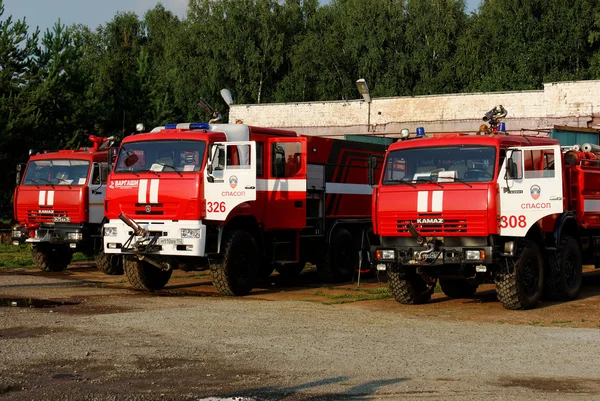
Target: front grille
(34, 216)
(447, 227)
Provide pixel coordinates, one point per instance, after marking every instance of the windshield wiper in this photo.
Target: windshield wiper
(35, 182)
(168, 165)
(429, 180)
(51, 184)
(462, 182)
(399, 182)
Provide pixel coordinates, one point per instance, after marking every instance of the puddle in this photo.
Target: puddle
(33, 303)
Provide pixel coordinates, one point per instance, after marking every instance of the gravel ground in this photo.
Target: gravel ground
(116, 344)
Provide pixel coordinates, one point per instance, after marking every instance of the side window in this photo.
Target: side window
(259, 158)
(541, 165)
(238, 157)
(549, 163)
(96, 175)
(286, 159)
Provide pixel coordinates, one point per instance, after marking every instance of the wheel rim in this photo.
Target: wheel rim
(242, 266)
(530, 277)
(570, 268)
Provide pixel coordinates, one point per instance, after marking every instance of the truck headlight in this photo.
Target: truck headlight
(190, 233)
(17, 234)
(475, 254)
(110, 231)
(75, 236)
(385, 254)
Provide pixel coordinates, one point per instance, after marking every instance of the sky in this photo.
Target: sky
(45, 13)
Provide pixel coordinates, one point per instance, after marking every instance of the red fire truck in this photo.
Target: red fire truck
(240, 200)
(517, 211)
(58, 204)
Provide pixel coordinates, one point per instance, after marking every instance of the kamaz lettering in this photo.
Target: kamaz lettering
(430, 221)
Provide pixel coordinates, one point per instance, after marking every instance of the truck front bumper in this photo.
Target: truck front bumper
(19, 235)
(171, 238)
(77, 237)
(462, 261)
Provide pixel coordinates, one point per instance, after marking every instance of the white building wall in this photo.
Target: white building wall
(574, 104)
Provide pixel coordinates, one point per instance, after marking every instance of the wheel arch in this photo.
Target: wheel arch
(536, 235)
(245, 223)
(566, 224)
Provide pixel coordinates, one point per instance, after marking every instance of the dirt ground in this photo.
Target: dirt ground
(82, 335)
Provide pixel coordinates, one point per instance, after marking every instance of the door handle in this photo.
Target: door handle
(298, 204)
(556, 198)
(250, 187)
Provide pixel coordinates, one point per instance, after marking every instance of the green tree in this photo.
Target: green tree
(19, 114)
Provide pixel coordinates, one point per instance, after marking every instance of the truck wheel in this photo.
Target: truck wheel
(341, 259)
(144, 276)
(109, 264)
(457, 288)
(51, 258)
(290, 270)
(410, 290)
(522, 288)
(564, 273)
(237, 271)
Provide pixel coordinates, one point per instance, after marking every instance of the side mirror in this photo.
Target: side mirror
(18, 177)
(511, 169)
(372, 167)
(103, 175)
(131, 160)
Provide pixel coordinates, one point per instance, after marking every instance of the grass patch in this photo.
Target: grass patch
(561, 321)
(15, 256)
(12, 256)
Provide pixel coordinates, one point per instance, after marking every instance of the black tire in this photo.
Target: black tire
(341, 259)
(457, 288)
(565, 269)
(109, 264)
(51, 258)
(410, 290)
(236, 273)
(290, 270)
(145, 276)
(522, 288)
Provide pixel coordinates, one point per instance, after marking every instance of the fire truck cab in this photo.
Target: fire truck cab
(240, 200)
(520, 212)
(58, 203)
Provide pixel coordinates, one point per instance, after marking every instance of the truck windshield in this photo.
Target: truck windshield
(460, 163)
(164, 156)
(57, 172)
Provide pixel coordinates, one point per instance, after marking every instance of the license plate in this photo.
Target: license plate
(170, 241)
(433, 255)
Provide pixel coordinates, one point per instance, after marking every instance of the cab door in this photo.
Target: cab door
(97, 192)
(229, 177)
(285, 184)
(531, 187)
